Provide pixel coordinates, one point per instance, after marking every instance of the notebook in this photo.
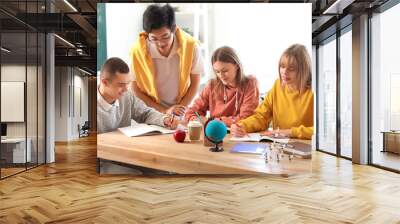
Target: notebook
(257, 137)
(249, 148)
(298, 148)
(144, 129)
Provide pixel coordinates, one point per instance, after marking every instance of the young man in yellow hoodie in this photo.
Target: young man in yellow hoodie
(166, 62)
(289, 105)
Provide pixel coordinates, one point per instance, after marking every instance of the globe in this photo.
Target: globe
(215, 131)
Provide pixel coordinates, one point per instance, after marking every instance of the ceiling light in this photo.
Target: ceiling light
(337, 7)
(70, 5)
(84, 71)
(64, 40)
(5, 50)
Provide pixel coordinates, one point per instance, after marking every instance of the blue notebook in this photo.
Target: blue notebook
(249, 148)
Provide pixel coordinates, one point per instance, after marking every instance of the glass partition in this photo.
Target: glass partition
(13, 95)
(22, 67)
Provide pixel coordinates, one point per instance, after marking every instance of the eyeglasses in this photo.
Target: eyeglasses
(163, 39)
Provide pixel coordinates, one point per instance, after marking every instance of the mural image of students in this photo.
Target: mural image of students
(166, 62)
(289, 105)
(230, 96)
(116, 106)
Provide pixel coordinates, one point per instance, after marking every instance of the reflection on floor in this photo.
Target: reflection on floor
(9, 171)
(386, 159)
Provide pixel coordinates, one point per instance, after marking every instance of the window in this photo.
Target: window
(327, 96)
(385, 87)
(346, 93)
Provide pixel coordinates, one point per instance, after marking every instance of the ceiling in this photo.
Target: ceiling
(75, 43)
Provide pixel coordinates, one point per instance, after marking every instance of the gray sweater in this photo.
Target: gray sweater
(119, 114)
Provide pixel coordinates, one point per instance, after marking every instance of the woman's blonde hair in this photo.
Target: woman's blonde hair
(228, 55)
(298, 56)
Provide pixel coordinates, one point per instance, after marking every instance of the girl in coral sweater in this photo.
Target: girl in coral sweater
(289, 104)
(230, 96)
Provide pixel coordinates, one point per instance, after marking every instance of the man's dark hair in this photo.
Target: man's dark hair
(157, 16)
(113, 66)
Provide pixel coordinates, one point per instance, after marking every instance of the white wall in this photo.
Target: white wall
(80, 84)
(123, 24)
(12, 73)
(61, 103)
(258, 32)
(68, 82)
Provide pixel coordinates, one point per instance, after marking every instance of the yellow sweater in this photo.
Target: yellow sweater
(286, 109)
(145, 71)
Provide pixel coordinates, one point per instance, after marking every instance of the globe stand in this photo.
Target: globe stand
(216, 148)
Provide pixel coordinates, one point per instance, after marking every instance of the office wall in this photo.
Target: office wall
(71, 102)
(17, 73)
(61, 103)
(92, 107)
(80, 109)
(12, 98)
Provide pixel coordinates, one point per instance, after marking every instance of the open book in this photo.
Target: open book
(144, 129)
(257, 137)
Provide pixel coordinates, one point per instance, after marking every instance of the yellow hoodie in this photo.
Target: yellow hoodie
(286, 109)
(144, 69)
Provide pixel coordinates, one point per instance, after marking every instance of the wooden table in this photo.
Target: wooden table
(391, 141)
(163, 153)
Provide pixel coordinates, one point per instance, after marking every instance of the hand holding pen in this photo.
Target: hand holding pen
(237, 129)
(170, 122)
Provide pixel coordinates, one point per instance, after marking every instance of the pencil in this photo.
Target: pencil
(173, 117)
(198, 117)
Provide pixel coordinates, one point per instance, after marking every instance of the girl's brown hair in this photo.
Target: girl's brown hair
(298, 56)
(228, 55)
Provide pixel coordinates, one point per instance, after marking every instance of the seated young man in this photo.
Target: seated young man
(116, 106)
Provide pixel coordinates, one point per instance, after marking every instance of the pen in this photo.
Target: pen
(198, 117)
(172, 120)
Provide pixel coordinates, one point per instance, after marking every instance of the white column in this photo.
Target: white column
(360, 90)
(50, 103)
